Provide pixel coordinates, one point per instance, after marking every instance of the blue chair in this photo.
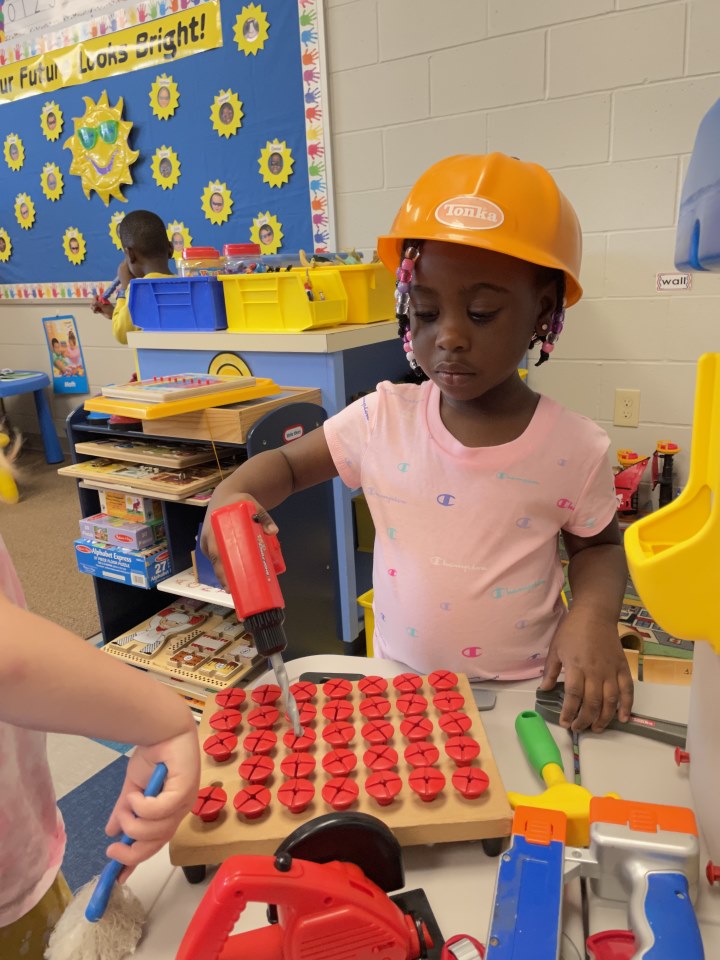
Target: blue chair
(32, 381)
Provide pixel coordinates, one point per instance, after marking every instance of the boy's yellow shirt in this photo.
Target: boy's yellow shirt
(122, 323)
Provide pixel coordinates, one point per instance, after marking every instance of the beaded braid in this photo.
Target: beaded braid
(556, 325)
(403, 276)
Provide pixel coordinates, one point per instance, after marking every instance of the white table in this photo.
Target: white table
(459, 879)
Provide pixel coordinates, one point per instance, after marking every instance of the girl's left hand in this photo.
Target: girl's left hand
(152, 821)
(598, 683)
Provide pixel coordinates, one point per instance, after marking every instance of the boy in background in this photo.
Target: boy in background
(148, 253)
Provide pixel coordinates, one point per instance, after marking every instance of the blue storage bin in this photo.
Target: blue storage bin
(178, 303)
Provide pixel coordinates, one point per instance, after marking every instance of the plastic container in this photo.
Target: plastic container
(279, 302)
(177, 304)
(201, 262)
(365, 600)
(242, 257)
(370, 289)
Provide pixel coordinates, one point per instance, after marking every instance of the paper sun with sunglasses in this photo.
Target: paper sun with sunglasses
(100, 149)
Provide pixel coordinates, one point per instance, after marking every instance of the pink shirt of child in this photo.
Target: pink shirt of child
(32, 834)
(466, 568)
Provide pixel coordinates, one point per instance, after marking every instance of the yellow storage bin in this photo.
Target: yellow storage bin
(365, 600)
(370, 289)
(278, 302)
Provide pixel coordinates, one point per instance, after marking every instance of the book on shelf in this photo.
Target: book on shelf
(229, 424)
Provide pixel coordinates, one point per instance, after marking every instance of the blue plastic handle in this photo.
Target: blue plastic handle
(669, 928)
(111, 871)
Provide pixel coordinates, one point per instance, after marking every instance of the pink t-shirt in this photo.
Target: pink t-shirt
(32, 834)
(466, 569)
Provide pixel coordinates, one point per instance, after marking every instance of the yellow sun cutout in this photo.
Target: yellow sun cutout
(179, 237)
(226, 113)
(74, 245)
(267, 231)
(51, 181)
(51, 120)
(251, 29)
(164, 97)
(101, 154)
(5, 246)
(276, 163)
(24, 211)
(216, 202)
(165, 167)
(14, 151)
(115, 220)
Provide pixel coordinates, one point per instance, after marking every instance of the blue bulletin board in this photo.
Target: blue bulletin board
(62, 243)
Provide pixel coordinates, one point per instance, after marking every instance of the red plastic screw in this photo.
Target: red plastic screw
(210, 801)
(422, 754)
(372, 686)
(463, 750)
(712, 872)
(220, 745)
(226, 719)
(302, 743)
(340, 793)
(307, 712)
(427, 782)
(383, 787)
(455, 723)
(337, 710)
(442, 679)
(267, 694)
(256, 769)
(416, 728)
(471, 782)
(262, 741)
(232, 697)
(377, 731)
(339, 763)
(303, 690)
(337, 689)
(262, 718)
(298, 766)
(296, 795)
(375, 708)
(407, 682)
(380, 757)
(681, 756)
(252, 802)
(448, 700)
(338, 734)
(412, 704)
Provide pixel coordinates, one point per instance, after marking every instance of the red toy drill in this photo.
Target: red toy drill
(326, 910)
(252, 560)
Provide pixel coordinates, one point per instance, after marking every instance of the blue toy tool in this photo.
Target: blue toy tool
(106, 881)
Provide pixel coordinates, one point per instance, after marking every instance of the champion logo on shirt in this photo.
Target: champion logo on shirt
(506, 476)
(445, 605)
(562, 462)
(446, 499)
(472, 653)
(411, 631)
(392, 533)
(565, 504)
(403, 467)
(500, 592)
(523, 522)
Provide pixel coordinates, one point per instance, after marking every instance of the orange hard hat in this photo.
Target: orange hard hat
(494, 202)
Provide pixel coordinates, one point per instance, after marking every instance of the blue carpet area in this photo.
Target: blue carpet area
(114, 745)
(86, 810)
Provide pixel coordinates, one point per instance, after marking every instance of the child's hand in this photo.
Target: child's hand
(598, 683)
(124, 275)
(152, 821)
(106, 309)
(208, 544)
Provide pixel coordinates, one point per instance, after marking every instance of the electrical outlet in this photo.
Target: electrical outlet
(627, 408)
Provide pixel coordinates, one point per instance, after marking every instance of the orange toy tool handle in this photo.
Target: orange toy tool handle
(251, 558)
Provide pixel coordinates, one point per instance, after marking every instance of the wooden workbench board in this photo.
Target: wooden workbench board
(448, 818)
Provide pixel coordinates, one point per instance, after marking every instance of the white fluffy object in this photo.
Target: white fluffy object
(112, 938)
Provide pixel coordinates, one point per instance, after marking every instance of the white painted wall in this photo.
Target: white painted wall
(606, 93)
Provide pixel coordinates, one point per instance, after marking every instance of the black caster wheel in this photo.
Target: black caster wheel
(196, 874)
(493, 846)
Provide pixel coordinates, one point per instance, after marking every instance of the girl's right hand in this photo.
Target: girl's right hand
(208, 543)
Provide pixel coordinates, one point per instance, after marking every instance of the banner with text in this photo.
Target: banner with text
(157, 43)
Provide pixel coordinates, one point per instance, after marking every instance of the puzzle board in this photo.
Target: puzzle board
(448, 817)
(144, 409)
(175, 484)
(175, 387)
(190, 640)
(174, 455)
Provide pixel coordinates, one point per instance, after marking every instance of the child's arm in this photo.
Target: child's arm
(267, 479)
(106, 309)
(586, 646)
(52, 680)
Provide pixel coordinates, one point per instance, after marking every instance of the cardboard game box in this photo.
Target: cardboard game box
(137, 568)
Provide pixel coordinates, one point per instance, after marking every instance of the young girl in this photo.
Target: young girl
(51, 680)
(470, 475)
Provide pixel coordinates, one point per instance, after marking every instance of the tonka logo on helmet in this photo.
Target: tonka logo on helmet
(469, 213)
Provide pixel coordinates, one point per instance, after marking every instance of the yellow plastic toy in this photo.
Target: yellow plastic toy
(673, 553)
(8, 488)
(570, 798)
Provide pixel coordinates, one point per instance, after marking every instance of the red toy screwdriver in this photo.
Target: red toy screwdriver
(252, 560)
